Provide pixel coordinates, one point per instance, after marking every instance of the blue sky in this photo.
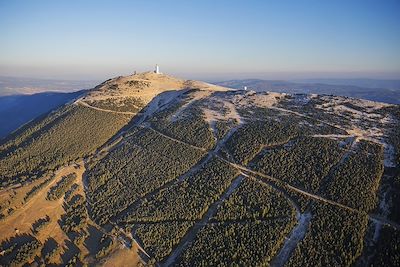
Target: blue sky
(201, 39)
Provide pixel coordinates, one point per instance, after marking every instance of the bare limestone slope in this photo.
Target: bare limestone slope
(138, 90)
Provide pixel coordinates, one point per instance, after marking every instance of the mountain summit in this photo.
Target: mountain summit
(139, 89)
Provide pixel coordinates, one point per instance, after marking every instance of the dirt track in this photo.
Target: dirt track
(38, 207)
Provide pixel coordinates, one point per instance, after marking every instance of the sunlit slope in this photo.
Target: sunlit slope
(77, 129)
(69, 133)
(131, 93)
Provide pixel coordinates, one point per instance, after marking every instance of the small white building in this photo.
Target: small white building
(157, 70)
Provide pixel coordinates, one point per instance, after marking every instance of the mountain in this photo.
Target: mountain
(363, 89)
(152, 169)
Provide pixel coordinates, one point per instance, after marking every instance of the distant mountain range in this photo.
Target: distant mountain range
(367, 83)
(17, 85)
(388, 91)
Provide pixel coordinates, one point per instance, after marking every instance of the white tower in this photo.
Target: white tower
(157, 70)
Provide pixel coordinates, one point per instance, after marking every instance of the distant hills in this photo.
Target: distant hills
(388, 90)
(18, 85)
(367, 83)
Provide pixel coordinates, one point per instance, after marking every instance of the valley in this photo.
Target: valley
(150, 169)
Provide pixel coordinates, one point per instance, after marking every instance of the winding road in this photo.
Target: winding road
(83, 103)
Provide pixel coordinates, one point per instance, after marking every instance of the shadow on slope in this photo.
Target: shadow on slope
(16, 110)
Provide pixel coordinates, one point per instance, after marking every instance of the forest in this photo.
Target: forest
(17, 253)
(304, 163)
(58, 190)
(75, 217)
(356, 181)
(334, 238)
(253, 201)
(126, 104)
(310, 109)
(188, 126)
(43, 145)
(246, 142)
(135, 169)
(236, 244)
(160, 238)
(189, 199)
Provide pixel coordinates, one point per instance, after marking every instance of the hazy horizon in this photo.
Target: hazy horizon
(205, 40)
(211, 77)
